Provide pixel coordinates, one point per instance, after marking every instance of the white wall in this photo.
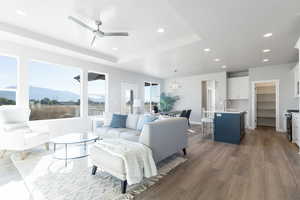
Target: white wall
(298, 47)
(284, 74)
(115, 78)
(190, 92)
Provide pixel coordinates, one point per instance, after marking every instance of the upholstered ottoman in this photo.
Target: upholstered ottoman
(109, 163)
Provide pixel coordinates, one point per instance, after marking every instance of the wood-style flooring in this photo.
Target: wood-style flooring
(266, 166)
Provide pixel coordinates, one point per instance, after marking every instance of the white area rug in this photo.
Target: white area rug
(48, 179)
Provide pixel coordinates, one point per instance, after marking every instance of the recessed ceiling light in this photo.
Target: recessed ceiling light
(224, 67)
(217, 60)
(268, 35)
(21, 12)
(266, 60)
(207, 50)
(267, 50)
(115, 48)
(160, 30)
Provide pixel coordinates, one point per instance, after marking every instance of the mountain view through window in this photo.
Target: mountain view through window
(54, 91)
(8, 80)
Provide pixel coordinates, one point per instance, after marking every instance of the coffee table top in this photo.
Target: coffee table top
(74, 138)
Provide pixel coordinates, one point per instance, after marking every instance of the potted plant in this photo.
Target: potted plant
(167, 102)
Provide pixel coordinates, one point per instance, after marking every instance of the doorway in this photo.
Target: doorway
(265, 104)
(128, 94)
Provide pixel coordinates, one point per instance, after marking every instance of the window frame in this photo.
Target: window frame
(29, 60)
(106, 107)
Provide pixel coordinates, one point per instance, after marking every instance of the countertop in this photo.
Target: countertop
(231, 112)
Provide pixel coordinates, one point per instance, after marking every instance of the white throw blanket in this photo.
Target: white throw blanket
(137, 158)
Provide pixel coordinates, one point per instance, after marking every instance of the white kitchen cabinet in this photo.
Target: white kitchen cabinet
(296, 129)
(238, 88)
(296, 81)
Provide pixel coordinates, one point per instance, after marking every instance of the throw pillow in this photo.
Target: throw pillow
(140, 123)
(132, 121)
(107, 118)
(149, 118)
(146, 119)
(118, 121)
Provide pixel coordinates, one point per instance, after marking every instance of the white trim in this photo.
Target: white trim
(194, 122)
(44, 39)
(281, 130)
(253, 104)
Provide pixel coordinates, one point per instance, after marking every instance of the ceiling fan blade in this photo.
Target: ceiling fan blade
(80, 23)
(99, 33)
(93, 40)
(116, 34)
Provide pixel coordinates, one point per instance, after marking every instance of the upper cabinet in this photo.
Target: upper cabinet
(238, 88)
(296, 81)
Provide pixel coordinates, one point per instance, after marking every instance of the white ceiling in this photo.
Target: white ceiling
(232, 29)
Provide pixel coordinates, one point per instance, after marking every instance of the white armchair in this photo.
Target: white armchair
(16, 135)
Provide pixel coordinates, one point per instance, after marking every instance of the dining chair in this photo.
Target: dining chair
(183, 113)
(188, 115)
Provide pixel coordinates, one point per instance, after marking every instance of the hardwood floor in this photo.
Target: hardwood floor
(266, 166)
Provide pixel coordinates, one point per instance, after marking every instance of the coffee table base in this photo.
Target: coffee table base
(70, 151)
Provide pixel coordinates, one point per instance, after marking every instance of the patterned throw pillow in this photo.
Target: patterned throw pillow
(118, 121)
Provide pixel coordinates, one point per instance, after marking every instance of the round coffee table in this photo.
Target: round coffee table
(79, 145)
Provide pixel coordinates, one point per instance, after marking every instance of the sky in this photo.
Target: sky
(8, 71)
(45, 75)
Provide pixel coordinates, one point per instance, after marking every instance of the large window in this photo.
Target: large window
(152, 96)
(8, 80)
(96, 93)
(54, 91)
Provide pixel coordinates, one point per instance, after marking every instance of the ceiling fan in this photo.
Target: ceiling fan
(97, 32)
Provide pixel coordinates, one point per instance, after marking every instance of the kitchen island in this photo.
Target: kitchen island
(229, 127)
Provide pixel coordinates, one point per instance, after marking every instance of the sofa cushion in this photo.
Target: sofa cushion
(35, 138)
(131, 134)
(102, 130)
(108, 132)
(107, 118)
(132, 121)
(118, 121)
(17, 126)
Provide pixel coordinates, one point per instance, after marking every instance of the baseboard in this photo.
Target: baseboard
(196, 123)
(281, 130)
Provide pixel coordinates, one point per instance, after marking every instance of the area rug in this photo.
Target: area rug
(47, 178)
